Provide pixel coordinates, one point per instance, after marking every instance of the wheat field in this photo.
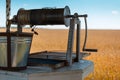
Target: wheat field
(106, 60)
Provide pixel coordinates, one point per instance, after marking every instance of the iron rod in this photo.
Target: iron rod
(74, 16)
(8, 50)
(78, 57)
(70, 42)
(84, 45)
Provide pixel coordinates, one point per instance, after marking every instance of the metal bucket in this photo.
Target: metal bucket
(14, 50)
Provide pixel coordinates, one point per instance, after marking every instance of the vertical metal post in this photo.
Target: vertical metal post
(70, 42)
(78, 55)
(8, 50)
(8, 6)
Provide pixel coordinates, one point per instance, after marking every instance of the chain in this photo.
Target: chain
(8, 5)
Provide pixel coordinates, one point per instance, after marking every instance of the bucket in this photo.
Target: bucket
(14, 50)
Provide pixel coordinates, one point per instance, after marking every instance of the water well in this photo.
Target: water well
(45, 65)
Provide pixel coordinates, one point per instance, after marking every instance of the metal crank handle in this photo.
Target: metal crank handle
(90, 50)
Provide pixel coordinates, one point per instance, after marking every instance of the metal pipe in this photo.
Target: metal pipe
(70, 42)
(8, 50)
(8, 8)
(76, 16)
(84, 45)
(78, 43)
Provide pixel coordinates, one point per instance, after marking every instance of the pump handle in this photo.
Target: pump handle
(90, 50)
(84, 45)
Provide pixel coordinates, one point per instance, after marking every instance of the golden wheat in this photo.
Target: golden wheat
(106, 60)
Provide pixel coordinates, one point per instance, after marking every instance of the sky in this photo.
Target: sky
(102, 14)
